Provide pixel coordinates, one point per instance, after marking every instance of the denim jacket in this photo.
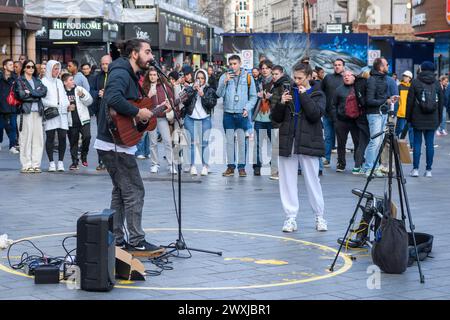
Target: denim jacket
(228, 92)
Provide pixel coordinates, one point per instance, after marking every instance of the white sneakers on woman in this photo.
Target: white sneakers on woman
(290, 225)
(52, 167)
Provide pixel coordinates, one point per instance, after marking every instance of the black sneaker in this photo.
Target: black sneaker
(145, 246)
(299, 172)
(320, 173)
(122, 245)
(73, 167)
(340, 168)
(257, 172)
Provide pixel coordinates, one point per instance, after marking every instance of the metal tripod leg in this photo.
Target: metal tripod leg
(402, 187)
(352, 220)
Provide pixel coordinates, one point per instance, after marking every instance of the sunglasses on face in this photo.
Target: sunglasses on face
(29, 67)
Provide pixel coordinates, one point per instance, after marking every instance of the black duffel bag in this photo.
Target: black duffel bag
(424, 242)
(390, 248)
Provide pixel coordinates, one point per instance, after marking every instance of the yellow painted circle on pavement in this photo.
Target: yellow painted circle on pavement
(287, 282)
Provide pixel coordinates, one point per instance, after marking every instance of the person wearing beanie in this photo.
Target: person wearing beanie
(403, 88)
(424, 111)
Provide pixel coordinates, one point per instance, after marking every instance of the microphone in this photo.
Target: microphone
(155, 65)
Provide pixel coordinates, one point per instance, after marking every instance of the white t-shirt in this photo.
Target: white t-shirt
(108, 146)
(199, 112)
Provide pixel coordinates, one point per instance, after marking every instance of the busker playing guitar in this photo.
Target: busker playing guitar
(128, 192)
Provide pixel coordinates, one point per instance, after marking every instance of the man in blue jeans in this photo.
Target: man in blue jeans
(238, 90)
(377, 95)
(424, 108)
(329, 86)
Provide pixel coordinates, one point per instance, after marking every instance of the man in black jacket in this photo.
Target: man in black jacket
(298, 114)
(128, 193)
(424, 110)
(97, 94)
(349, 118)
(329, 86)
(8, 113)
(377, 96)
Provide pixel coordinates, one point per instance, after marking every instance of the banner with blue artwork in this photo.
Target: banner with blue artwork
(286, 49)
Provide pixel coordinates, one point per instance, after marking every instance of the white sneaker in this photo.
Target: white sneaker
(428, 174)
(438, 133)
(154, 168)
(290, 225)
(187, 169)
(414, 173)
(321, 224)
(140, 157)
(52, 167)
(444, 132)
(205, 171)
(60, 166)
(193, 171)
(13, 150)
(173, 170)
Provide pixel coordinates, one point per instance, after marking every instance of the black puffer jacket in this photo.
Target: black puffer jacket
(209, 101)
(414, 114)
(377, 92)
(277, 92)
(308, 134)
(329, 85)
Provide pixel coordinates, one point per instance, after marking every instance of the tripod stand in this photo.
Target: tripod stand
(179, 244)
(394, 159)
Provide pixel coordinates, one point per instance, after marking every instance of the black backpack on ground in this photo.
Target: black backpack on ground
(428, 99)
(390, 250)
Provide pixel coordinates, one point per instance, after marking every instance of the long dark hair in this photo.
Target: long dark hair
(161, 80)
(35, 73)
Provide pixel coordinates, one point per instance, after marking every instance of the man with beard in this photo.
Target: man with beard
(128, 192)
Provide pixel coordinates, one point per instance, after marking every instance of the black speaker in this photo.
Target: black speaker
(96, 250)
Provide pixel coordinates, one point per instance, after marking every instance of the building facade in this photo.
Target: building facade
(17, 30)
(238, 16)
(431, 19)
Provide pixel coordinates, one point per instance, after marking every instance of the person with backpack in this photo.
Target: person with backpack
(424, 109)
(348, 111)
(238, 90)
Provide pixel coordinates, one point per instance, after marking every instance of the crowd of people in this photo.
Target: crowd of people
(302, 117)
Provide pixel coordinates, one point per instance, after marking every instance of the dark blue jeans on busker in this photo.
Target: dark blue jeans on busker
(429, 146)
(127, 195)
(8, 122)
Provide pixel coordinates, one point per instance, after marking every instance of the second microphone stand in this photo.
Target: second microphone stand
(179, 244)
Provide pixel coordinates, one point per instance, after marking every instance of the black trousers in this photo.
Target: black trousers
(127, 195)
(74, 135)
(360, 141)
(98, 152)
(50, 142)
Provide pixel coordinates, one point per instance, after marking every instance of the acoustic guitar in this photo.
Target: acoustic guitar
(128, 131)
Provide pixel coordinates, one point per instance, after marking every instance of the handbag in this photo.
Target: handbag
(52, 112)
(11, 99)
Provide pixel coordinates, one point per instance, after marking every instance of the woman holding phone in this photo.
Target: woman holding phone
(198, 108)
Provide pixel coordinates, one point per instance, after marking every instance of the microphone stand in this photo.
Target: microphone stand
(180, 244)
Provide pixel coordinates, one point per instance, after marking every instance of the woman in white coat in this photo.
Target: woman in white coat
(56, 98)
